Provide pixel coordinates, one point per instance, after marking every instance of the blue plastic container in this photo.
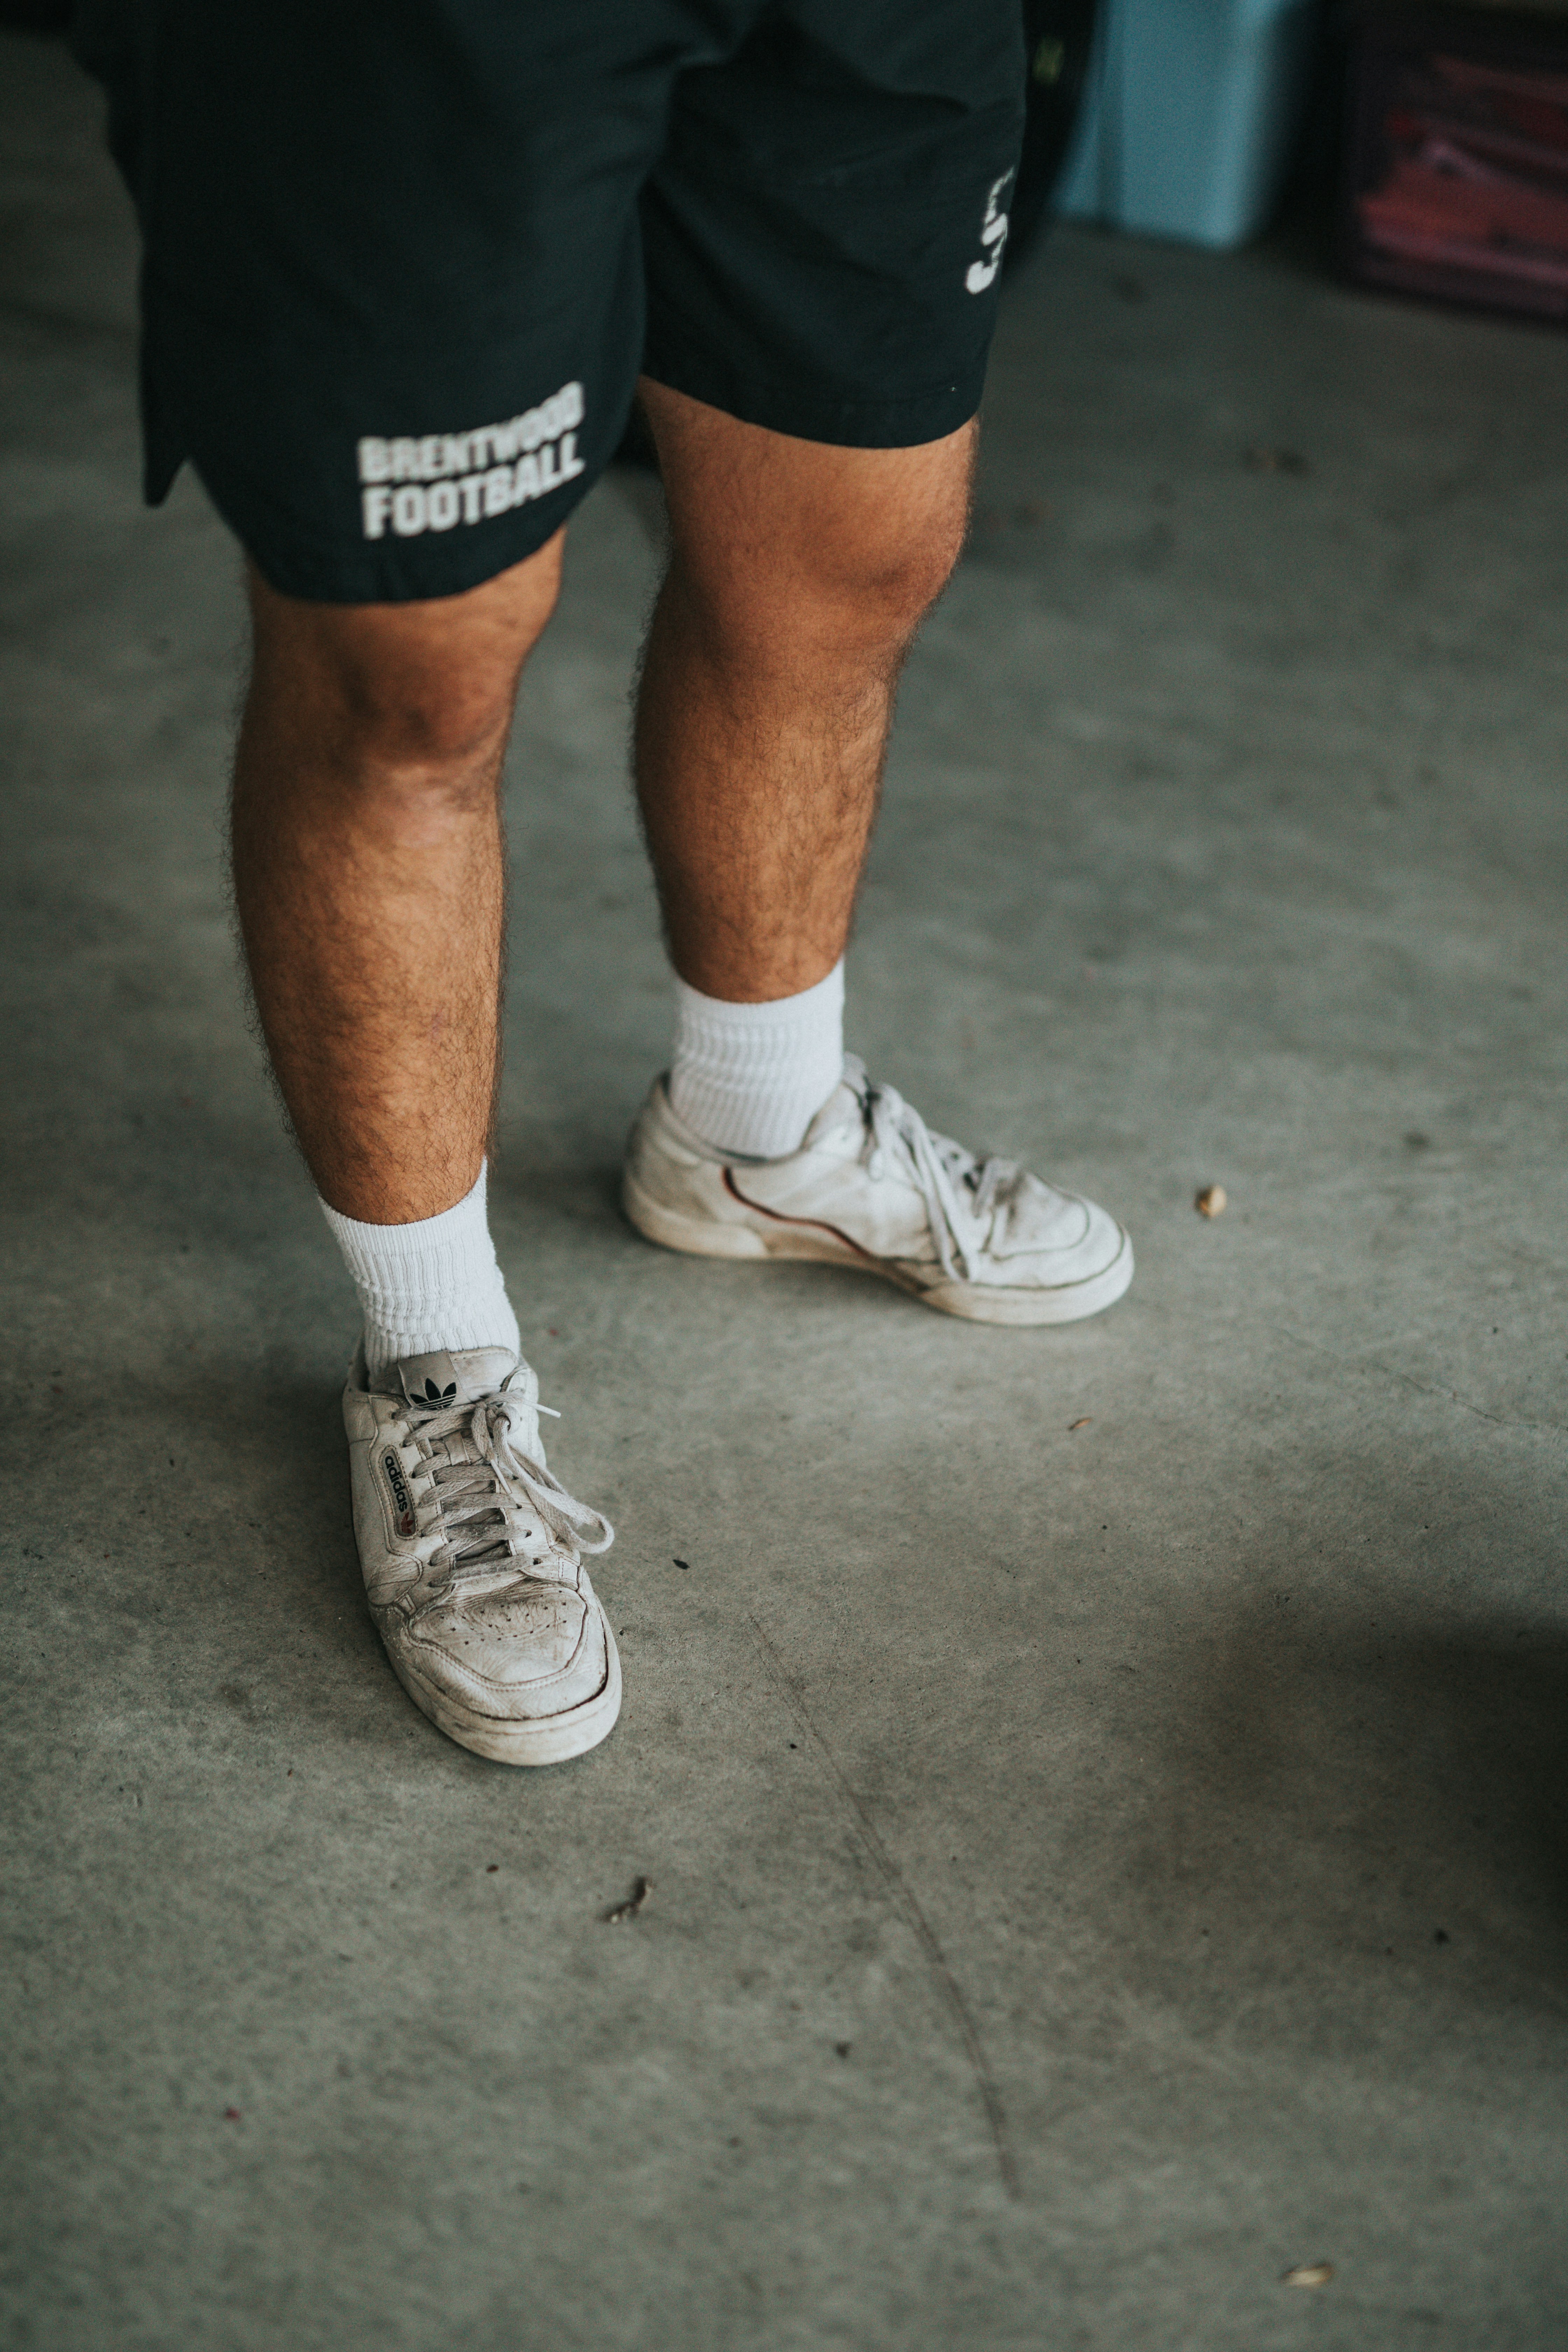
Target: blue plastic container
(1190, 116)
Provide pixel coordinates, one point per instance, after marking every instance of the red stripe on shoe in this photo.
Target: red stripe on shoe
(820, 1224)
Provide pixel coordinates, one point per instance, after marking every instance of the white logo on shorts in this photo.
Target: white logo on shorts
(471, 476)
(993, 237)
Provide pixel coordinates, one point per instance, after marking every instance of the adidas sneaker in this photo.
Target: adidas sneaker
(472, 1557)
(872, 1186)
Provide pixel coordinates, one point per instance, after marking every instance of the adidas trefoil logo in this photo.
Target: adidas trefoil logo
(440, 1396)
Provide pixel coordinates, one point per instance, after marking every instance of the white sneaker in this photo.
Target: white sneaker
(872, 1187)
(472, 1557)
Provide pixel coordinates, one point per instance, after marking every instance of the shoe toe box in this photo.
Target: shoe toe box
(1046, 1238)
(526, 1651)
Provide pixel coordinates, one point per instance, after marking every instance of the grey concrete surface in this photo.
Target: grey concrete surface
(1094, 1869)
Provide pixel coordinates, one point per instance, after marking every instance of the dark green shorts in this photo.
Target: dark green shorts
(405, 259)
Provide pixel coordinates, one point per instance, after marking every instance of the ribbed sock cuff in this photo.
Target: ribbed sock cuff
(752, 1077)
(434, 1284)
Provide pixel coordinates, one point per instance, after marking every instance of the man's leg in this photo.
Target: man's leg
(799, 572)
(368, 875)
(369, 879)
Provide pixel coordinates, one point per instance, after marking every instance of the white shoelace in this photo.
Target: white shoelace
(937, 1165)
(479, 1502)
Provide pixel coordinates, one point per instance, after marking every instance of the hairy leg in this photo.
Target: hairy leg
(369, 876)
(799, 573)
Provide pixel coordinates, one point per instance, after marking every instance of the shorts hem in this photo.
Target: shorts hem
(813, 416)
(397, 572)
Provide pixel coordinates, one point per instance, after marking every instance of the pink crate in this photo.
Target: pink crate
(1457, 181)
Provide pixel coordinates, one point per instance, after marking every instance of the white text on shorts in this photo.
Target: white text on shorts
(446, 478)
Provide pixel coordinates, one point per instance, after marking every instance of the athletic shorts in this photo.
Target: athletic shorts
(405, 259)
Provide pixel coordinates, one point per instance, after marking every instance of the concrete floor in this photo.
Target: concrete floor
(1094, 1869)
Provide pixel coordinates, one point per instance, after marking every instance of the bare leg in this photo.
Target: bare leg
(799, 574)
(369, 876)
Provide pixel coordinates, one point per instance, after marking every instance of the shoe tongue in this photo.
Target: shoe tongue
(443, 1378)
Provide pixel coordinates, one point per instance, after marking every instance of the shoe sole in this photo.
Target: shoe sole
(550, 1740)
(975, 1302)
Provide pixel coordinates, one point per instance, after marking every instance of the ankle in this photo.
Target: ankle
(750, 1077)
(434, 1285)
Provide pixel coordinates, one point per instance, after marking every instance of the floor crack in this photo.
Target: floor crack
(908, 1901)
(1425, 1388)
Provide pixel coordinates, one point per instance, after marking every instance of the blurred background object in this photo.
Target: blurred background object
(1191, 116)
(1058, 44)
(1455, 180)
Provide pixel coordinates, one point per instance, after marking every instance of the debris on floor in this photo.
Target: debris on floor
(1260, 459)
(1211, 1200)
(1081, 1422)
(641, 1889)
(1308, 2274)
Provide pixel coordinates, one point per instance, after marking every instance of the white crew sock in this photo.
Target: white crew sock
(429, 1285)
(752, 1077)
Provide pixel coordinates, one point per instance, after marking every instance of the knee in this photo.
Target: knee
(418, 697)
(886, 589)
(849, 588)
(422, 726)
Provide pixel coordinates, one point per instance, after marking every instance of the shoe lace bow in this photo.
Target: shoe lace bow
(481, 1499)
(960, 1192)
